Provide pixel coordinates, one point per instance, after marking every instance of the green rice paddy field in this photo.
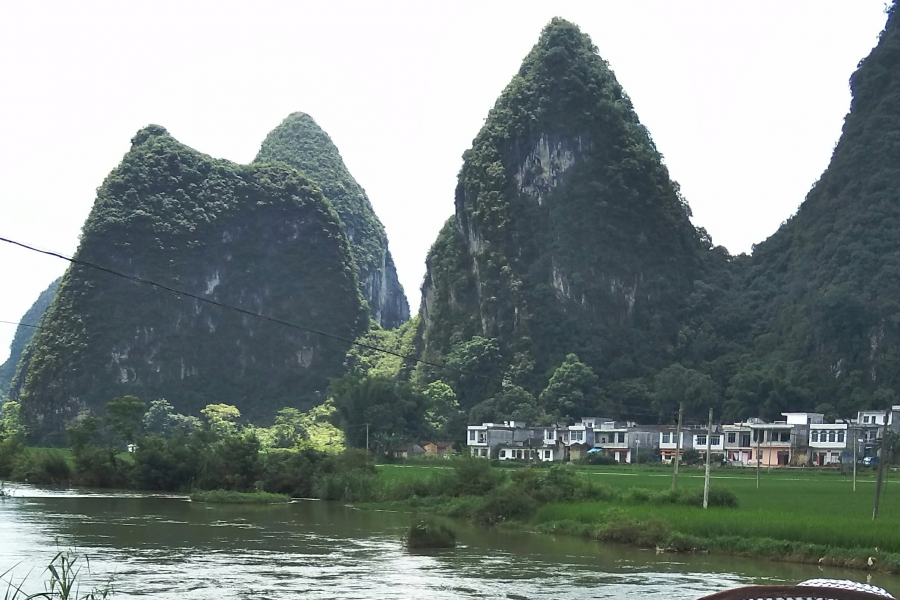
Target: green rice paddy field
(812, 507)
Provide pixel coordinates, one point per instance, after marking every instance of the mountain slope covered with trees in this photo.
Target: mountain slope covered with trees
(23, 335)
(261, 237)
(302, 144)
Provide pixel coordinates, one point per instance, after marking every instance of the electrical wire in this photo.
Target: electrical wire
(244, 311)
(20, 324)
(620, 409)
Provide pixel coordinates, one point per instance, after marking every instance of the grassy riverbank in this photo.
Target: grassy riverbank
(801, 516)
(227, 497)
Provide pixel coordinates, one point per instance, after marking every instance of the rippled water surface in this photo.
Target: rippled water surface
(168, 547)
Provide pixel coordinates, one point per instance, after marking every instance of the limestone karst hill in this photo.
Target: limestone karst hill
(302, 144)
(261, 237)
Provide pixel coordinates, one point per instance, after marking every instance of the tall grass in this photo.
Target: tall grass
(62, 582)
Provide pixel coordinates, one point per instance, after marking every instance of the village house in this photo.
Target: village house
(716, 441)
(668, 442)
(828, 442)
(736, 439)
(622, 442)
(438, 449)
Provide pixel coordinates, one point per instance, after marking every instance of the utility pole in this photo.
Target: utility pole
(367, 438)
(759, 433)
(855, 444)
(708, 452)
(881, 459)
(677, 447)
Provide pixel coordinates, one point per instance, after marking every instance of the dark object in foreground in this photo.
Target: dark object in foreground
(428, 534)
(812, 589)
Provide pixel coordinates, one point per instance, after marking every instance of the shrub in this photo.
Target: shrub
(598, 458)
(649, 533)
(168, 464)
(691, 456)
(101, 468)
(717, 497)
(44, 467)
(473, 477)
(428, 534)
(350, 486)
(10, 450)
(503, 504)
(292, 472)
(228, 497)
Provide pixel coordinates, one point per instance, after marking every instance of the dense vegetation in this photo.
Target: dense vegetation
(570, 281)
(302, 144)
(23, 335)
(261, 237)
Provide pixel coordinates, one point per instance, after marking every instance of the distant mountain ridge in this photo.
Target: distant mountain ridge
(23, 335)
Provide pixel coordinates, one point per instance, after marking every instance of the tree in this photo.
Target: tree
(572, 391)
(11, 425)
(393, 411)
(289, 429)
(473, 365)
(443, 408)
(676, 384)
(221, 418)
(124, 417)
(513, 403)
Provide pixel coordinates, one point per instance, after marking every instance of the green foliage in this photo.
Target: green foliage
(572, 390)
(42, 467)
(299, 142)
(125, 416)
(429, 534)
(394, 412)
(11, 425)
(23, 335)
(221, 418)
(260, 236)
(228, 497)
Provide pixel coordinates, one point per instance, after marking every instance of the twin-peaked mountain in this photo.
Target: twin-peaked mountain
(259, 236)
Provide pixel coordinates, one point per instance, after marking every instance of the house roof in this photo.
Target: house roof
(438, 444)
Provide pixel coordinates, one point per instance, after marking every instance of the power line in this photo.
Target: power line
(620, 409)
(251, 313)
(20, 324)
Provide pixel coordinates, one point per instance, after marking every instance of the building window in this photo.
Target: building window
(841, 437)
(814, 436)
(579, 435)
(621, 438)
(546, 454)
(716, 440)
(503, 454)
(666, 438)
(831, 436)
(590, 425)
(603, 440)
(757, 435)
(865, 419)
(472, 436)
(732, 438)
(701, 440)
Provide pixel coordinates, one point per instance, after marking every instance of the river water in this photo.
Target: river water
(168, 547)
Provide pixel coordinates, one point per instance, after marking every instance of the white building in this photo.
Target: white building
(716, 442)
(668, 441)
(827, 442)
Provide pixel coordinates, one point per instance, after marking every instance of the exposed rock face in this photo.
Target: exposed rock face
(24, 335)
(302, 144)
(261, 237)
(568, 235)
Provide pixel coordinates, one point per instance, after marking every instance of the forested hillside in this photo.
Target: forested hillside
(301, 143)
(23, 335)
(824, 290)
(569, 240)
(261, 237)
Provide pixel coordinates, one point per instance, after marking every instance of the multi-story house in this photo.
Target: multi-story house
(483, 439)
(668, 441)
(736, 440)
(623, 441)
(828, 442)
(784, 442)
(716, 441)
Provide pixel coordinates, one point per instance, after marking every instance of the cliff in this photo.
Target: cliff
(302, 144)
(261, 237)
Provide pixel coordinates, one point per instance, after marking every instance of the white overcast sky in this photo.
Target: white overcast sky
(744, 100)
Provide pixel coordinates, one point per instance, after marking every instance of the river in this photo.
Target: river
(169, 548)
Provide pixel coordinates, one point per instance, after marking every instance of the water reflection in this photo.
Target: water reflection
(166, 547)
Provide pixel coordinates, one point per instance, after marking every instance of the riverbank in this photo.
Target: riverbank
(812, 517)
